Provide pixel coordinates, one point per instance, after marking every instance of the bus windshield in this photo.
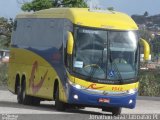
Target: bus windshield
(105, 55)
(124, 57)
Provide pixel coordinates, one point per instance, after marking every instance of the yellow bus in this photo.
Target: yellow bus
(77, 57)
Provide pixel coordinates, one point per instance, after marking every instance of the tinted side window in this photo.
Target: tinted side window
(38, 33)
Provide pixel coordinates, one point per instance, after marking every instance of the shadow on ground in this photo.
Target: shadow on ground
(47, 107)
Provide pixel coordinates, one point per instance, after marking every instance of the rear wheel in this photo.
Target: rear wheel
(25, 98)
(35, 101)
(60, 106)
(19, 95)
(22, 98)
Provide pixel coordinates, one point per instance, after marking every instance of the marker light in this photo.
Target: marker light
(75, 97)
(130, 101)
(132, 91)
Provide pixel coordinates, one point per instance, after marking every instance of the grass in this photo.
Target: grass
(3, 74)
(149, 83)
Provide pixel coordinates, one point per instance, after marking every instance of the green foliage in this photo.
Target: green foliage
(149, 83)
(74, 3)
(155, 46)
(145, 34)
(36, 5)
(5, 37)
(149, 21)
(139, 19)
(5, 32)
(3, 74)
(146, 14)
(111, 8)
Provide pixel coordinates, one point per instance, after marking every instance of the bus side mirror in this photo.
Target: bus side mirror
(146, 48)
(70, 43)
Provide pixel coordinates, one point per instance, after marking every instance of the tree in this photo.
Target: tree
(111, 8)
(139, 19)
(74, 3)
(5, 31)
(155, 43)
(36, 5)
(145, 34)
(146, 14)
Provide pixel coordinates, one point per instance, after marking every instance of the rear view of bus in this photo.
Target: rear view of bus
(91, 58)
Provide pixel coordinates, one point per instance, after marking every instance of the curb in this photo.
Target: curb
(148, 98)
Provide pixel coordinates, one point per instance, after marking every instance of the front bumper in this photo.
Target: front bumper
(80, 97)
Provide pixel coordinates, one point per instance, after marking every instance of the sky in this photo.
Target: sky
(9, 8)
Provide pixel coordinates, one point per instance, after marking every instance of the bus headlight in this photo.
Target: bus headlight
(132, 91)
(76, 85)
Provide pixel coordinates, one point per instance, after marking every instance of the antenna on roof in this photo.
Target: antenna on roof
(58, 3)
(94, 5)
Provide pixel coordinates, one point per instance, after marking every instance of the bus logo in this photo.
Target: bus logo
(94, 86)
(36, 87)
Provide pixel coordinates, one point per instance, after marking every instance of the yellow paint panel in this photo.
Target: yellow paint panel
(21, 61)
(85, 17)
(103, 87)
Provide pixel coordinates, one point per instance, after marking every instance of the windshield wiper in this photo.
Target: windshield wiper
(93, 70)
(116, 68)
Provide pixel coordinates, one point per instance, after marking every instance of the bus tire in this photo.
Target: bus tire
(27, 100)
(19, 95)
(35, 101)
(60, 106)
(116, 111)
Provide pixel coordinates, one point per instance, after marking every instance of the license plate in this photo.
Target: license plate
(104, 100)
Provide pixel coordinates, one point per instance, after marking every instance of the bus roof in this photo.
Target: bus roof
(85, 17)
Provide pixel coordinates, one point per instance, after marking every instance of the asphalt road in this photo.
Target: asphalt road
(46, 111)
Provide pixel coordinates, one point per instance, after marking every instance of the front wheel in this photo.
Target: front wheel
(60, 106)
(116, 111)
